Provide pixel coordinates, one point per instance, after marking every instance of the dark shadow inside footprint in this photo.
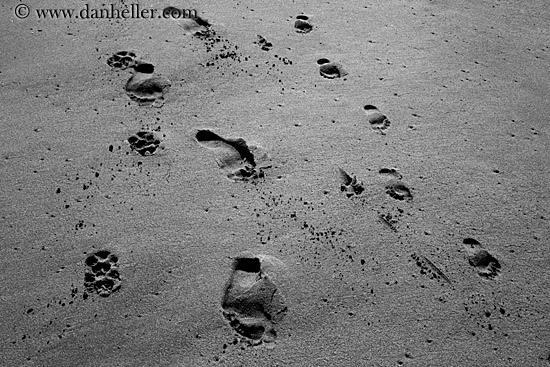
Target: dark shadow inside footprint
(332, 70)
(145, 88)
(487, 265)
(471, 242)
(323, 61)
(302, 25)
(398, 190)
(145, 68)
(251, 302)
(264, 44)
(249, 265)
(102, 277)
(390, 171)
(213, 140)
(122, 60)
(377, 120)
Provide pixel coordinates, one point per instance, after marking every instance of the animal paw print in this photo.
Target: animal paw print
(145, 143)
(122, 60)
(264, 44)
(102, 277)
(349, 184)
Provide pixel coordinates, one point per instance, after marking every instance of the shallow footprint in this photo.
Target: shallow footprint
(487, 265)
(398, 190)
(145, 143)
(350, 185)
(302, 24)
(252, 302)
(240, 161)
(390, 171)
(195, 26)
(377, 120)
(122, 60)
(102, 277)
(146, 89)
(331, 70)
(263, 43)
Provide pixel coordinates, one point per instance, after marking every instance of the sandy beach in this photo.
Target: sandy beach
(360, 183)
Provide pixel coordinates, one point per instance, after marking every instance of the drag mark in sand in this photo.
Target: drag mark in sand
(487, 265)
(102, 277)
(241, 161)
(252, 303)
(428, 267)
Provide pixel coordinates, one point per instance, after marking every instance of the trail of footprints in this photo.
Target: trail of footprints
(252, 303)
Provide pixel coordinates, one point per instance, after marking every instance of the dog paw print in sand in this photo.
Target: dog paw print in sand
(239, 160)
(263, 43)
(102, 276)
(122, 60)
(398, 190)
(349, 184)
(331, 70)
(376, 119)
(487, 265)
(145, 143)
(252, 303)
(302, 24)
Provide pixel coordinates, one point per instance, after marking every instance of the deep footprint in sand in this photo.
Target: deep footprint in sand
(145, 143)
(398, 190)
(241, 161)
(252, 302)
(102, 277)
(144, 88)
(487, 265)
(302, 24)
(122, 60)
(349, 184)
(376, 119)
(331, 70)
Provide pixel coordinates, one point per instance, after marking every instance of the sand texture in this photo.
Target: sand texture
(336, 183)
